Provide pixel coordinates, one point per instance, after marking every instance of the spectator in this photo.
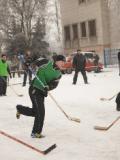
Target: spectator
(4, 71)
(15, 66)
(79, 63)
(119, 62)
(96, 62)
(27, 68)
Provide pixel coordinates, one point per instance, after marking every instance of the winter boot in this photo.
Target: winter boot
(18, 113)
(37, 135)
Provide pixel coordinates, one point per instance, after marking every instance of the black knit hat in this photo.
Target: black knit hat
(3, 55)
(59, 58)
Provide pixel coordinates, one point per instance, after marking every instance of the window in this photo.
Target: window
(67, 33)
(81, 1)
(75, 31)
(83, 29)
(92, 28)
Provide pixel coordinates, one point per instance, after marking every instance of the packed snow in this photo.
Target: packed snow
(75, 141)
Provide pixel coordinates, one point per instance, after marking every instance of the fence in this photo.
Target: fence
(111, 57)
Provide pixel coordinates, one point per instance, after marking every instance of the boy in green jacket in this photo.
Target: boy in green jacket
(46, 79)
(4, 72)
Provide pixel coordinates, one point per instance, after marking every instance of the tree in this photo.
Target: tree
(20, 19)
(19, 22)
(39, 45)
(54, 25)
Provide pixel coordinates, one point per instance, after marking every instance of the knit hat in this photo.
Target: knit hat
(41, 61)
(3, 55)
(59, 58)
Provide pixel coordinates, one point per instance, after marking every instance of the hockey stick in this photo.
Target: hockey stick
(28, 145)
(108, 127)
(14, 84)
(19, 95)
(108, 99)
(68, 117)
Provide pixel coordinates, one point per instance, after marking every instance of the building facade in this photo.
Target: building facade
(90, 25)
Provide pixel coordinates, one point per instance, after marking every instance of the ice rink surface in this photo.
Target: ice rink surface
(75, 141)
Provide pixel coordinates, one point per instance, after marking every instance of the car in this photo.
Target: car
(90, 66)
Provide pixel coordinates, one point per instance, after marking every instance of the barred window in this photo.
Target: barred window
(83, 29)
(75, 31)
(67, 33)
(92, 28)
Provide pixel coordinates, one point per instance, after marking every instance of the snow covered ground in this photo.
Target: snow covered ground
(74, 141)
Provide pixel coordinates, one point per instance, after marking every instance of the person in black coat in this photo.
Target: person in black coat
(119, 62)
(118, 102)
(96, 63)
(79, 62)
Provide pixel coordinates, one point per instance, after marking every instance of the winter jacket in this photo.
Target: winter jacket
(118, 99)
(27, 62)
(47, 77)
(119, 56)
(79, 61)
(3, 69)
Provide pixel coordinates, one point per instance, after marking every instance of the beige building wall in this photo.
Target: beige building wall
(114, 12)
(73, 12)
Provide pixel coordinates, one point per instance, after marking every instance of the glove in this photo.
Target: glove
(45, 92)
(53, 84)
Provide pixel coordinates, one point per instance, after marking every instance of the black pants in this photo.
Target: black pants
(37, 110)
(3, 85)
(83, 72)
(27, 72)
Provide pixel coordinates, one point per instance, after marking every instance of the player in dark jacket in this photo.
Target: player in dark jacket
(79, 62)
(46, 79)
(119, 62)
(96, 63)
(118, 102)
(27, 71)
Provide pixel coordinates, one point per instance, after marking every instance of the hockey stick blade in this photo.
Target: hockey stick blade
(108, 127)
(20, 95)
(28, 145)
(50, 149)
(74, 119)
(101, 128)
(107, 99)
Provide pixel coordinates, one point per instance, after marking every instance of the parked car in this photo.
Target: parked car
(68, 67)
